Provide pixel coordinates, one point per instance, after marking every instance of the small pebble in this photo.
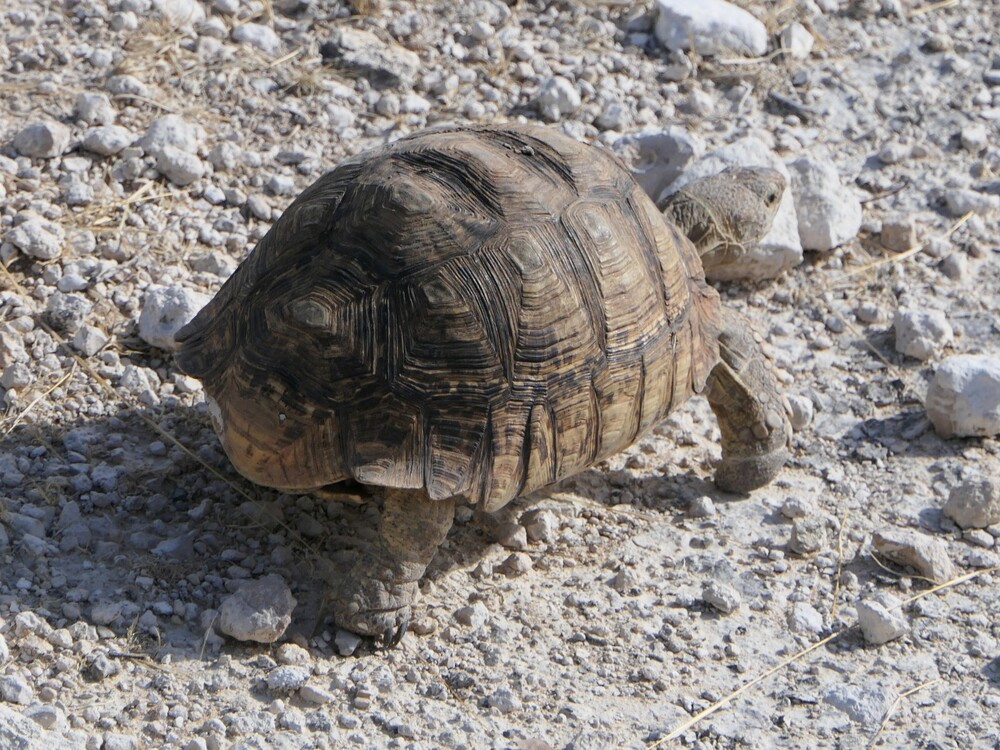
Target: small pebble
(473, 616)
(287, 678)
(317, 695)
(504, 701)
(808, 535)
(517, 564)
(259, 611)
(721, 596)
(921, 334)
(346, 642)
(805, 618)
(795, 507)
(540, 525)
(899, 233)
(881, 620)
(801, 411)
(701, 507)
(974, 504)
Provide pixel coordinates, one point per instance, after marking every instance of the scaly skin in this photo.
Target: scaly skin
(727, 213)
(753, 417)
(375, 597)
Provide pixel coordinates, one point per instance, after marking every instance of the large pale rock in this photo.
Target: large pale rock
(171, 131)
(927, 555)
(38, 238)
(165, 310)
(258, 35)
(658, 157)
(557, 99)
(780, 249)
(974, 504)
(259, 611)
(42, 140)
(964, 397)
(713, 27)
(921, 334)
(829, 213)
(880, 619)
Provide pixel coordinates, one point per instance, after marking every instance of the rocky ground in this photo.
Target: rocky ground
(147, 145)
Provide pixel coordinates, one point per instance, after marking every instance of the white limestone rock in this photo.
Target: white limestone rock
(171, 130)
(925, 554)
(165, 310)
(182, 13)
(180, 167)
(974, 504)
(880, 619)
(713, 27)
(258, 611)
(829, 214)
(107, 140)
(259, 36)
(964, 397)
(43, 139)
(37, 238)
(557, 99)
(921, 334)
(658, 157)
(362, 52)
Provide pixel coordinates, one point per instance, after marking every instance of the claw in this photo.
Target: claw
(391, 639)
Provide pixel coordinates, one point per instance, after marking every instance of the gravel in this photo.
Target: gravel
(148, 146)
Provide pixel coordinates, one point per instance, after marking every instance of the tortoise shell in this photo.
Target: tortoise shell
(476, 311)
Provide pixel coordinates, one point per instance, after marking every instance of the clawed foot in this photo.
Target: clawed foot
(374, 607)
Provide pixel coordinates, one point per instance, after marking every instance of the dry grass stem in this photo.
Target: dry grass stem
(38, 399)
(899, 257)
(895, 705)
(840, 565)
(109, 389)
(933, 6)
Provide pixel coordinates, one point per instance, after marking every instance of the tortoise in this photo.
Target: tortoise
(469, 314)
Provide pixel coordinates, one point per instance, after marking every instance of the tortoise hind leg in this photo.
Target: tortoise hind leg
(375, 598)
(747, 401)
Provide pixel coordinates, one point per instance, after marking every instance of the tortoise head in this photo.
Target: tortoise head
(726, 213)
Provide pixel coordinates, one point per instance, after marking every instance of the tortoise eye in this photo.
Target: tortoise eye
(771, 198)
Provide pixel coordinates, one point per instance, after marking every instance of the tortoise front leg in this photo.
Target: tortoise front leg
(747, 401)
(375, 597)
